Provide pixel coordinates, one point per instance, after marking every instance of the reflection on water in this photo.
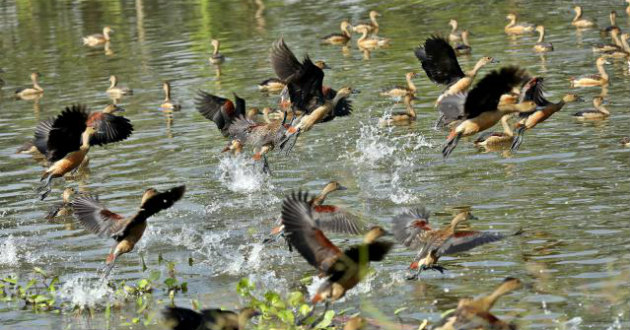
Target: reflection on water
(567, 187)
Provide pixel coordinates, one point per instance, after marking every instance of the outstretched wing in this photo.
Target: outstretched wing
(109, 128)
(41, 135)
(302, 233)
(283, 61)
(409, 225)
(439, 61)
(337, 220)
(65, 135)
(219, 110)
(464, 241)
(95, 217)
(487, 93)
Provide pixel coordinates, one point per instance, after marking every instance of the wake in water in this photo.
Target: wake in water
(84, 292)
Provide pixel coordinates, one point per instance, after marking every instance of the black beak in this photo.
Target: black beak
(356, 91)
(340, 187)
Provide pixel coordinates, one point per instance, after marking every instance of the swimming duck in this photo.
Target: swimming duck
(616, 45)
(513, 28)
(115, 91)
(440, 63)
(600, 112)
(399, 91)
(345, 269)
(28, 92)
(401, 118)
(371, 26)
(411, 228)
(330, 218)
(177, 318)
(475, 313)
(125, 231)
(464, 47)
(98, 39)
(579, 21)
(66, 140)
(541, 46)
(613, 23)
(339, 38)
(455, 35)
(497, 140)
(625, 141)
(543, 111)
(369, 42)
(64, 208)
(481, 106)
(216, 57)
(600, 79)
(168, 104)
(274, 85)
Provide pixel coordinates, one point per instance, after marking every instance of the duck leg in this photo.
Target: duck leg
(46, 188)
(439, 122)
(451, 143)
(266, 169)
(518, 138)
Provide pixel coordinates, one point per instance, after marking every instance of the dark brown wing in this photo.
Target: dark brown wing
(65, 135)
(534, 91)
(487, 93)
(439, 61)
(305, 87)
(358, 255)
(464, 241)
(109, 128)
(407, 226)
(41, 135)
(283, 61)
(337, 220)
(343, 107)
(302, 233)
(182, 318)
(95, 217)
(220, 110)
(161, 201)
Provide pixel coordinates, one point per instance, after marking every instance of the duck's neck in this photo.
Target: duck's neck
(602, 71)
(346, 31)
(36, 84)
(472, 73)
(465, 39)
(541, 35)
(113, 83)
(167, 93)
(106, 34)
(624, 44)
(363, 36)
(266, 117)
(512, 22)
(454, 27)
(85, 141)
(618, 41)
(216, 49)
(410, 110)
(613, 19)
(373, 20)
(338, 98)
(410, 83)
(319, 199)
(506, 125)
(457, 220)
(602, 109)
(511, 108)
(486, 303)
(578, 15)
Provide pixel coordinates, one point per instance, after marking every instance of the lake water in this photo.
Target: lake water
(568, 187)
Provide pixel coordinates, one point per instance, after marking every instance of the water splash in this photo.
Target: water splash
(8, 252)
(241, 174)
(83, 292)
(372, 145)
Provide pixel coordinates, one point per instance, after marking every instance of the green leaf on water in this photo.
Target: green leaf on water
(155, 275)
(328, 317)
(400, 310)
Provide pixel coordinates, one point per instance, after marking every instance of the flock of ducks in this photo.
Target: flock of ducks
(305, 102)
